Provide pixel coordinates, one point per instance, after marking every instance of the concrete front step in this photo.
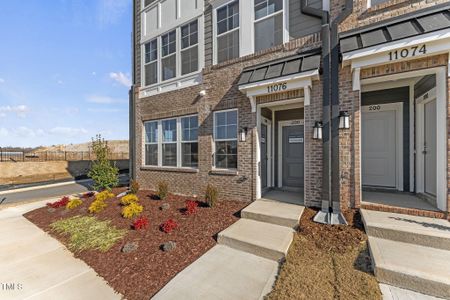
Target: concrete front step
(423, 231)
(421, 269)
(395, 293)
(259, 238)
(274, 212)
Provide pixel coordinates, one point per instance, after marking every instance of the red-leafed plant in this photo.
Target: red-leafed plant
(168, 226)
(60, 203)
(191, 207)
(140, 223)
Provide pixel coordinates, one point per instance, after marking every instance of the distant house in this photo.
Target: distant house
(240, 94)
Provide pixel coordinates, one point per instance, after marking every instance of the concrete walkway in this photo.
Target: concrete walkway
(36, 266)
(411, 254)
(245, 263)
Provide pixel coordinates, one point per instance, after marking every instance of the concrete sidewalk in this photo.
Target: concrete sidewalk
(36, 266)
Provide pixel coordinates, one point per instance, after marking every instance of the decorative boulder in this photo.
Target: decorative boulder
(169, 246)
(165, 206)
(51, 210)
(129, 247)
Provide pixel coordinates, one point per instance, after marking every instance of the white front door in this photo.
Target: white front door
(379, 146)
(429, 147)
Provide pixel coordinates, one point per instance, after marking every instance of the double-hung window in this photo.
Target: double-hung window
(151, 62)
(268, 23)
(228, 32)
(169, 143)
(151, 143)
(172, 142)
(225, 138)
(189, 142)
(169, 55)
(189, 48)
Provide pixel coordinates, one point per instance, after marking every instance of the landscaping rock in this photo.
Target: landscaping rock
(122, 194)
(169, 246)
(129, 247)
(51, 210)
(64, 212)
(165, 206)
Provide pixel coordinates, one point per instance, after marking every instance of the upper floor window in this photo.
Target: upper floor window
(225, 138)
(151, 62)
(189, 48)
(148, 2)
(228, 32)
(268, 23)
(168, 52)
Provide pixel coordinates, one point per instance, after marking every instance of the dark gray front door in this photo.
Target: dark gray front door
(263, 156)
(293, 156)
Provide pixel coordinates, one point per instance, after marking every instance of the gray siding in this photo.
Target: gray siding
(391, 96)
(137, 41)
(300, 24)
(208, 34)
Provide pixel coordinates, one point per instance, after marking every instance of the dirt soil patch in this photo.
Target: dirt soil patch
(327, 262)
(142, 273)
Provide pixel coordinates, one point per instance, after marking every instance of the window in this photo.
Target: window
(151, 143)
(148, 2)
(189, 48)
(169, 143)
(228, 32)
(225, 138)
(151, 62)
(268, 24)
(189, 142)
(169, 57)
(172, 142)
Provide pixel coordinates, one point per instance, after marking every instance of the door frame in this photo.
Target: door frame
(282, 124)
(420, 136)
(268, 123)
(398, 108)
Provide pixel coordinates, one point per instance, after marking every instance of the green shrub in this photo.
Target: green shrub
(104, 174)
(88, 233)
(128, 199)
(74, 203)
(134, 187)
(211, 195)
(132, 210)
(163, 190)
(97, 206)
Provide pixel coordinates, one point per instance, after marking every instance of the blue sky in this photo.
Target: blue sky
(64, 70)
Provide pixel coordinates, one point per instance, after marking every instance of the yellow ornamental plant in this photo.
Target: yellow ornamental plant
(128, 199)
(132, 210)
(105, 195)
(74, 203)
(97, 206)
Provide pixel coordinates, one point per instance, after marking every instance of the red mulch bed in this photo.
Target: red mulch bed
(142, 273)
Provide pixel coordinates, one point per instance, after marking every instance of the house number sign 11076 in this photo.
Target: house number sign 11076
(408, 52)
(277, 87)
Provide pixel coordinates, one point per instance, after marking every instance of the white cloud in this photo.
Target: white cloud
(110, 11)
(20, 110)
(24, 132)
(104, 110)
(104, 99)
(94, 73)
(123, 79)
(68, 131)
(60, 82)
(2, 80)
(4, 132)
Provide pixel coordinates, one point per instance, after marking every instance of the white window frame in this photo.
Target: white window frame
(151, 143)
(157, 61)
(160, 143)
(225, 140)
(190, 47)
(283, 11)
(176, 142)
(215, 29)
(186, 141)
(169, 55)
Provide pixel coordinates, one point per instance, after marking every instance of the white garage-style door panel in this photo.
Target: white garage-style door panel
(430, 147)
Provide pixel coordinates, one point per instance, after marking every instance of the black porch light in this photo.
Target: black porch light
(317, 133)
(344, 120)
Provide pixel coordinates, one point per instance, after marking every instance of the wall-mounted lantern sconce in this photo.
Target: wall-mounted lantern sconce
(243, 134)
(344, 120)
(317, 133)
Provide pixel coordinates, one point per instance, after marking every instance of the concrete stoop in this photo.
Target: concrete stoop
(277, 213)
(395, 293)
(410, 253)
(259, 238)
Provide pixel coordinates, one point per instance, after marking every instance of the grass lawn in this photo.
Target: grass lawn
(327, 262)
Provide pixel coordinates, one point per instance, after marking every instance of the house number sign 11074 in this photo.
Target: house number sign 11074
(408, 52)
